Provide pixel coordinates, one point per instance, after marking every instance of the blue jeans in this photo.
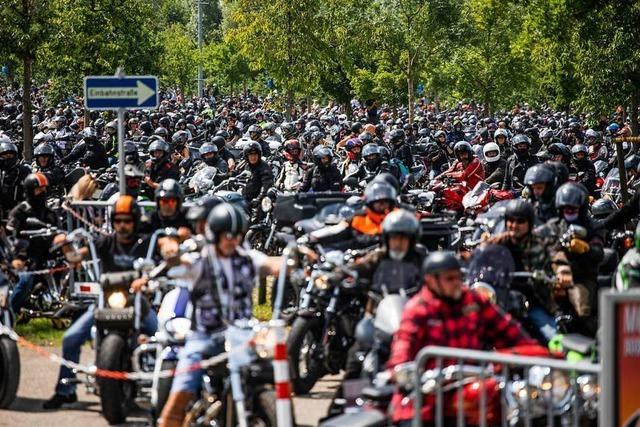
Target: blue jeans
(21, 291)
(544, 323)
(198, 346)
(78, 334)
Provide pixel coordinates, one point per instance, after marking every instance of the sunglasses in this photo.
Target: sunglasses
(123, 221)
(518, 220)
(229, 236)
(169, 202)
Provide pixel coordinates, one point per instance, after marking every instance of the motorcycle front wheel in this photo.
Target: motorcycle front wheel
(302, 351)
(9, 371)
(115, 395)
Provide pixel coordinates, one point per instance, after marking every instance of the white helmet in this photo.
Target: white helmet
(488, 147)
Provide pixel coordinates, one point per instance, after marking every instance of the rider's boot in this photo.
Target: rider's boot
(175, 409)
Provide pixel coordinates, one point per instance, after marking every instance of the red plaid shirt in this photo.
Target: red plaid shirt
(472, 323)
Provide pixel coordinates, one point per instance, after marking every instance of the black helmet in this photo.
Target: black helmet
(210, 125)
(223, 133)
(561, 173)
(226, 218)
(254, 129)
(251, 147)
(146, 128)
(520, 208)
(180, 138)
(219, 142)
(579, 148)
(402, 222)
(164, 122)
(571, 194)
(520, 139)
(169, 189)
(207, 148)
(366, 138)
(44, 150)
(33, 181)
(377, 191)
(131, 153)
(8, 147)
(396, 135)
(538, 174)
(159, 145)
(463, 146)
(319, 152)
(602, 208)
(161, 131)
(181, 122)
(558, 148)
(356, 128)
(202, 207)
(631, 162)
(389, 179)
(370, 149)
(440, 261)
(287, 130)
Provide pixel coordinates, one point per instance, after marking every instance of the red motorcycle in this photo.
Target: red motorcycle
(481, 197)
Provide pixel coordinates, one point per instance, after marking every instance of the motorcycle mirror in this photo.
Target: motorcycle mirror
(34, 222)
(351, 181)
(578, 231)
(144, 265)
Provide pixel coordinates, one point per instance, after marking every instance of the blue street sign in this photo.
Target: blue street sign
(112, 93)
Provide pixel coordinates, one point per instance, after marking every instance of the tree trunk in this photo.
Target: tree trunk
(410, 88)
(87, 118)
(27, 126)
(635, 103)
(244, 87)
(289, 102)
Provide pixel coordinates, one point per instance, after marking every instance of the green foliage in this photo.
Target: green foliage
(95, 37)
(179, 59)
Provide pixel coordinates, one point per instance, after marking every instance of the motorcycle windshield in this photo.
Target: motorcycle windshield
(203, 179)
(612, 182)
(334, 213)
(473, 197)
(493, 265)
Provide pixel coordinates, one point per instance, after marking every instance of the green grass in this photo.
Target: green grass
(41, 332)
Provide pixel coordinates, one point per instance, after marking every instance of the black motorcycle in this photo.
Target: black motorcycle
(323, 330)
(9, 355)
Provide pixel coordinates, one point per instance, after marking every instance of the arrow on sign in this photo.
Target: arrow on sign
(141, 92)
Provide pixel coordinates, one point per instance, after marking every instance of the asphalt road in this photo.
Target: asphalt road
(37, 382)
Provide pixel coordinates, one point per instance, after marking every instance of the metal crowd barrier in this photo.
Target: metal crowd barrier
(531, 388)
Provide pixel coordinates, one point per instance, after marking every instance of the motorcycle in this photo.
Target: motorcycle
(118, 321)
(174, 325)
(50, 293)
(237, 385)
(322, 332)
(9, 355)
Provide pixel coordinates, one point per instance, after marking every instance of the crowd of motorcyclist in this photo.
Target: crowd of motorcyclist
(550, 168)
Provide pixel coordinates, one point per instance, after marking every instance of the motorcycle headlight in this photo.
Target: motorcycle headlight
(117, 299)
(589, 388)
(179, 327)
(266, 204)
(486, 290)
(404, 375)
(321, 282)
(264, 343)
(558, 383)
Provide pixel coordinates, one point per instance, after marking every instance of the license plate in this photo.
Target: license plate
(87, 288)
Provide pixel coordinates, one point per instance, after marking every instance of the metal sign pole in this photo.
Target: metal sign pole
(122, 187)
(122, 181)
